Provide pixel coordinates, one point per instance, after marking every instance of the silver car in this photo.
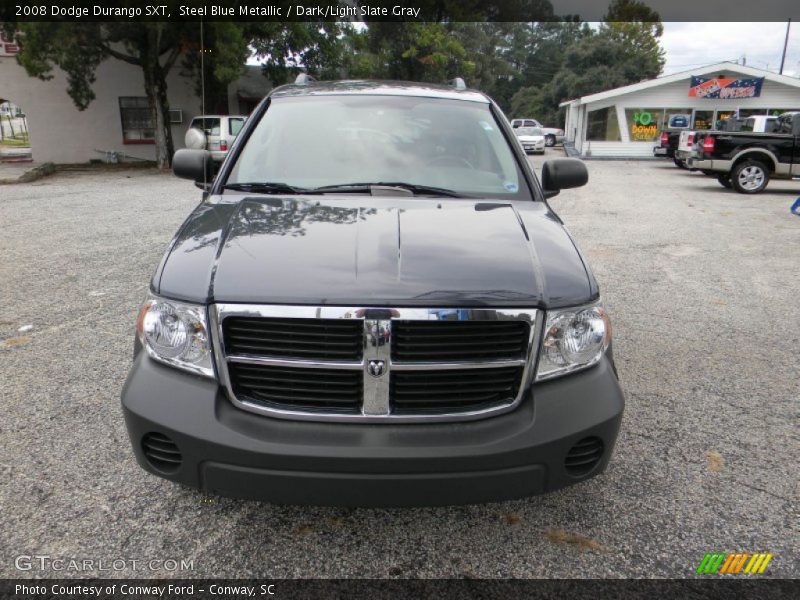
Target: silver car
(531, 138)
(552, 135)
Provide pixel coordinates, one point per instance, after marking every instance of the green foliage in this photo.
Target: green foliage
(286, 48)
(73, 47)
(527, 67)
(624, 49)
(417, 51)
(78, 48)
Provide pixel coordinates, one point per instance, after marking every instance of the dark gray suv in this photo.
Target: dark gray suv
(374, 305)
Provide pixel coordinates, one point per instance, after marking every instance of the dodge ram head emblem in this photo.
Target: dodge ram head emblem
(376, 368)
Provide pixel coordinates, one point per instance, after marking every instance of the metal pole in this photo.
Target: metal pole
(785, 43)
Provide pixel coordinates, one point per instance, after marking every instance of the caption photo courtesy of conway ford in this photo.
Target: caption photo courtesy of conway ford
(426, 298)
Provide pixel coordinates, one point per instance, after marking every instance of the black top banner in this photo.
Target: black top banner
(382, 10)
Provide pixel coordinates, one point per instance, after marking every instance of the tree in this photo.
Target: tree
(636, 28)
(416, 51)
(155, 47)
(316, 47)
(78, 48)
(222, 53)
(624, 49)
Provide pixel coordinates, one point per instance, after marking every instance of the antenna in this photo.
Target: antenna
(785, 43)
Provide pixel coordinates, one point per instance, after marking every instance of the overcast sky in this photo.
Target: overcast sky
(691, 45)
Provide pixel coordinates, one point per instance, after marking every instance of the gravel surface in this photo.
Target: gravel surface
(702, 285)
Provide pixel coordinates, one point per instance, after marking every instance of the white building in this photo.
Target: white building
(627, 121)
(117, 120)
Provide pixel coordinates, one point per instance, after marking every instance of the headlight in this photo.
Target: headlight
(574, 339)
(176, 333)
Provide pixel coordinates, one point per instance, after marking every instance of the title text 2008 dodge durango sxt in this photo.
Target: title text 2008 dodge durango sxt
(374, 305)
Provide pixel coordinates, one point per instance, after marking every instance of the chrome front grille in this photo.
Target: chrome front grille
(374, 364)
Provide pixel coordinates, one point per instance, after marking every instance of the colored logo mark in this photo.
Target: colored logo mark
(734, 563)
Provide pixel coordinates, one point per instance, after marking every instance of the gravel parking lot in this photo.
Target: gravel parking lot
(703, 288)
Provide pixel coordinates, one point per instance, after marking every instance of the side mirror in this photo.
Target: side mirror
(196, 165)
(562, 173)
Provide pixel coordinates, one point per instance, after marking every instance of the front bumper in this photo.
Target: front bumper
(720, 166)
(230, 452)
(534, 147)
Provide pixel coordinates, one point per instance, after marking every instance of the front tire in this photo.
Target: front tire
(550, 140)
(725, 180)
(750, 177)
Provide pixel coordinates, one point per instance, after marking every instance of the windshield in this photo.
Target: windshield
(528, 131)
(317, 141)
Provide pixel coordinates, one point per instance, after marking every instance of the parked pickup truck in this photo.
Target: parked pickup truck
(688, 140)
(745, 160)
(668, 142)
(379, 310)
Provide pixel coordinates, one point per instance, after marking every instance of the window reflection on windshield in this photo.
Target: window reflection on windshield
(328, 140)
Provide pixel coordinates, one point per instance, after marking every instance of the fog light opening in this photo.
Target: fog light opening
(161, 452)
(584, 456)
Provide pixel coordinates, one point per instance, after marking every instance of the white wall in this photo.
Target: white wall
(60, 133)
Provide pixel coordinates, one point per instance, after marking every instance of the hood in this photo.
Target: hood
(530, 138)
(369, 251)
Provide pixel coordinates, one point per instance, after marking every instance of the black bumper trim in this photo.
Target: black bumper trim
(372, 489)
(235, 453)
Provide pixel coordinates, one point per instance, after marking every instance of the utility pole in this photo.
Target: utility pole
(785, 43)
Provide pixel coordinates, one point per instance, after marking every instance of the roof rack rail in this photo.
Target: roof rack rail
(458, 83)
(304, 78)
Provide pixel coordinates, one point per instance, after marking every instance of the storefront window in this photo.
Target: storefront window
(752, 112)
(677, 118)
(644, 124)
(703, 119)
(602, 125)
(776, 112)
(722, 116)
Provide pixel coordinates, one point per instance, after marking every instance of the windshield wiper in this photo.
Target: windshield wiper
(344, 188)
(264, 188)
(367, 187)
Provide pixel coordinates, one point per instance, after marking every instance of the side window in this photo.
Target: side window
(235, 126)
(137, 120)
(209, 125)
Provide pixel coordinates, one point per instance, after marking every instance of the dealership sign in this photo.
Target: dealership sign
(644, 127)
(724, 88)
